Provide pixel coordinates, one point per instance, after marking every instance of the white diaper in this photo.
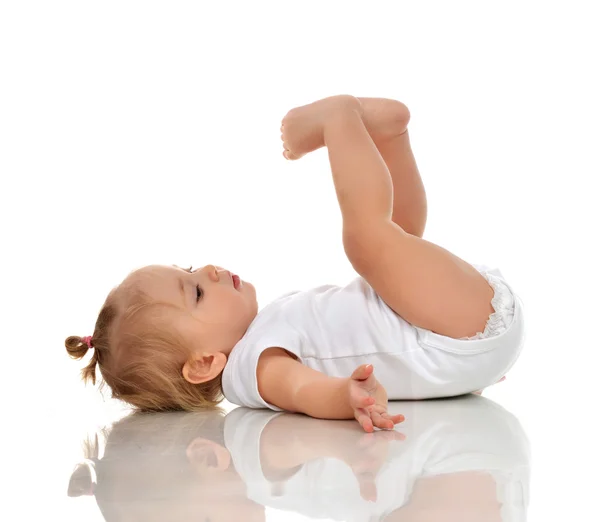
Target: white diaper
(503, 303)
(473, 363)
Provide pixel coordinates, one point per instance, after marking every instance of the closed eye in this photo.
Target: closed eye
(199, 292)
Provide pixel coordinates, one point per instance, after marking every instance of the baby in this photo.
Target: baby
(426, 322)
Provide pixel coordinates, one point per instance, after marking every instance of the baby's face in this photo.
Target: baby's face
(218, 313)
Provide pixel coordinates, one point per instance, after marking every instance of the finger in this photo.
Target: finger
(363, 418)
(361, 399)
(503, 379)
(394, 418)
(382, 410)
(363, 372)
(381, 422)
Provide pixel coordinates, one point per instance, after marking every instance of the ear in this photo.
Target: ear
(203, 454)
(203, 367)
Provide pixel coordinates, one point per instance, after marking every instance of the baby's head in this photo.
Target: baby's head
(163, 335)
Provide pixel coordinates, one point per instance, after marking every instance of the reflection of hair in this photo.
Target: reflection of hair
(141, 355)
(144, 461)
(84, 478)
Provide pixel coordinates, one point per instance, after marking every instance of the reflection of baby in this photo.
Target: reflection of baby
(457, 459)
(461, 459)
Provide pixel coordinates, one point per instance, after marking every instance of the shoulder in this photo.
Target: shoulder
(274, 353)
(275, 377)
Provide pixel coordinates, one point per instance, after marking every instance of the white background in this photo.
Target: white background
(139, 132)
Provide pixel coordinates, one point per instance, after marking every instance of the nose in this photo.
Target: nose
(213, 272)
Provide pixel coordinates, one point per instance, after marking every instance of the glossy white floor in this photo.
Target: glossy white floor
(461, 459)
(525, 452)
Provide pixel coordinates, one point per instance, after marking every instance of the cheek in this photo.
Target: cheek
(227, 305)
(237, 303)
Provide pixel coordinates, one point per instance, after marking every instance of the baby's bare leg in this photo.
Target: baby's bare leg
(410, 200)
(362, 180)
(387, 121)
(422, 282)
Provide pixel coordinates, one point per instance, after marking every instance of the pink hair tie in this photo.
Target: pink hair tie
(87, 340)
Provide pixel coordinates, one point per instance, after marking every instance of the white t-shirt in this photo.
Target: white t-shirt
(335, 329)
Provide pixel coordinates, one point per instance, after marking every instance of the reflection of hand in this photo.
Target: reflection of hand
(366, 458)
(369, 401)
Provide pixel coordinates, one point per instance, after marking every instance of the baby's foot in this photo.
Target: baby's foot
(302, 127)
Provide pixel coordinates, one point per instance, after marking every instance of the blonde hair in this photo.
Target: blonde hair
(141, 355)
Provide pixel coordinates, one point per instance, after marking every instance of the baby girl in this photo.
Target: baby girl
(417, 322)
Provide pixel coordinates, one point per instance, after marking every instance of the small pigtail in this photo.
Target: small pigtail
(77, 347)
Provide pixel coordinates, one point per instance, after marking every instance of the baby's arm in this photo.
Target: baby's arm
(290, 385)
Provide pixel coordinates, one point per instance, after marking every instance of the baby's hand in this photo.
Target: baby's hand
(368, 400)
